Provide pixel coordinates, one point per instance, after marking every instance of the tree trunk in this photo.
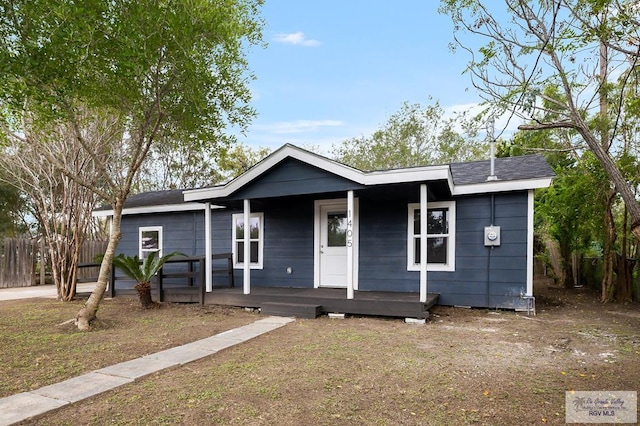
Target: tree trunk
(555, 260)
(576, 260)
(144, 294)
(88, 312)
(616, 177)
(618, 180)
(624, 281)
(608, 257)
(624, 268)
(567, 266)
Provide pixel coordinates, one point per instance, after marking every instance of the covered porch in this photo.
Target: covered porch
(188, 285)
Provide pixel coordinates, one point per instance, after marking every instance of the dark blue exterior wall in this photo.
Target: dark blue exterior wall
(292, 177)
(488, 277)
(182, 231)
(483, 277)
(288, 242)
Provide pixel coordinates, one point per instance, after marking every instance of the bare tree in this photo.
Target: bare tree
(34, 161)
(534, 45)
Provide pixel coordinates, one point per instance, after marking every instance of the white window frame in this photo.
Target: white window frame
(451, 236)
(240, 265)
(141, 250)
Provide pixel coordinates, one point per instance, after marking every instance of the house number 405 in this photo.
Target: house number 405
(349, 229)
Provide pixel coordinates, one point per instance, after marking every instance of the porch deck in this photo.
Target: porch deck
(375, 303)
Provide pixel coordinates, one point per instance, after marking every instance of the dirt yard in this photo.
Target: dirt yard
(479, 367)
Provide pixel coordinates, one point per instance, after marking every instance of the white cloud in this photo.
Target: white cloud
(298, 126)
(296, 39)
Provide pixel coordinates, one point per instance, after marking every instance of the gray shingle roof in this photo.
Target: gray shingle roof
(154, 198)
(505, 169)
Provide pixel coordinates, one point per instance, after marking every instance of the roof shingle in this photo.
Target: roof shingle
(505, 169)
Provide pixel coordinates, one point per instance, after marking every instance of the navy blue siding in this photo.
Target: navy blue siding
(182, 232)
(483, 277)
(291, 177)
(288, 243)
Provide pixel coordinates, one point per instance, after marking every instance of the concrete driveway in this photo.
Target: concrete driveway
(47, 291)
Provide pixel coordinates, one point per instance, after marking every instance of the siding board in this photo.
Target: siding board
(288, 239)
(292, 177)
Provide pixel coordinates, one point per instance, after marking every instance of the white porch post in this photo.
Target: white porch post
(530, 243)
(423, 242)
(207, 246)
(350, 258)
(246, 277)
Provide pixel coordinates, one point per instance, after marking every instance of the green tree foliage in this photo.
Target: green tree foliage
(519, 49)
(161, 71)
(12, 211)
(239, 159)
(414, 136)
(581, 212)
(178, 166)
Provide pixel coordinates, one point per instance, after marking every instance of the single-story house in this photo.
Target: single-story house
(315, 224)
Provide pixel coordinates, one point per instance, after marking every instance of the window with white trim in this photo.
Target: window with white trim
(441, 227)
(150, 241)
(256, 235)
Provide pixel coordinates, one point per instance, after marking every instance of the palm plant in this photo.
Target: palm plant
(143, 272)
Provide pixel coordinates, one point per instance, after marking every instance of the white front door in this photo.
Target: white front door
(333, 245)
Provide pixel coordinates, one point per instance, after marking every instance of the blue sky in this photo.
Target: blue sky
(336, 69)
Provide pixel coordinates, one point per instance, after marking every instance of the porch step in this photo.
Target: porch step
(299, 310)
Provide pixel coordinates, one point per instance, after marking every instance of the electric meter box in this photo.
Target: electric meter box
(491, 236)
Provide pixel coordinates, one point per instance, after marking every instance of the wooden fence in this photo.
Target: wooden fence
(20, 266)
(88, 253)
(17, 261)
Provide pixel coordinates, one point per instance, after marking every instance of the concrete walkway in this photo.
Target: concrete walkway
(27, 405)
(47, 291)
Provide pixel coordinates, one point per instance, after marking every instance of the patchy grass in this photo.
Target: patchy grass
(37, 349)
(465, 367)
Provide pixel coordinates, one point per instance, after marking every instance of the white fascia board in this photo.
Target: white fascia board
(414, 174)
(165, 208)
(498, 186)
(287, 151)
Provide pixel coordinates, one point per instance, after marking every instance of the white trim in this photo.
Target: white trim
(451, 245)
(350, 265)
(413, 174)
(207, 248)
(236, 264)
(498, 186)
(246, 281)
(165, 208)
(316, 243)
(356, 241)
(423, 243)
(142, 229)
(530, 204)
(340, 202)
